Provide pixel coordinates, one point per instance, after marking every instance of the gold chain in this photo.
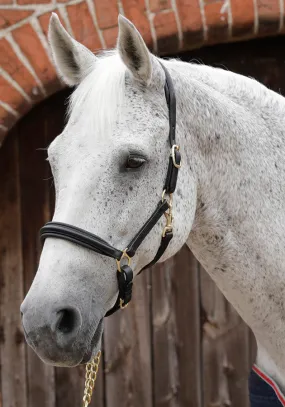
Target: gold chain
(90, 379)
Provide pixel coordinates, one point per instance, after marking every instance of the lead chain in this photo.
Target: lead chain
(90, 379)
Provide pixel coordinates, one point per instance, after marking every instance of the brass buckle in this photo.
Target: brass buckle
(170, 198)
(175, 147)
(122, 306)
(124, 256)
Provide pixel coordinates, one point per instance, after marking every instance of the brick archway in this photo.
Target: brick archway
(168, 26)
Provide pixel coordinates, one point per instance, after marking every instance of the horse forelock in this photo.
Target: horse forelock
(100, 96)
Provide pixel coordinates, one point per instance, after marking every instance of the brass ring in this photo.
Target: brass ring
(122, 306)
(175, 147)
(124, 256)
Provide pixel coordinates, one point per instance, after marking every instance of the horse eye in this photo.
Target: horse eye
(134, 162)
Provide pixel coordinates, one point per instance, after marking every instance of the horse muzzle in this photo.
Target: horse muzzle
(59, 337)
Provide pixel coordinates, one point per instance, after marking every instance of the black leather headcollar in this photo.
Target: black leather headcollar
(93, 242)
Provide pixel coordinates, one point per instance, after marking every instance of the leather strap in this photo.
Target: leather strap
(125, 284)
(165, 240)
(144, 231)
(93, 242)
(171, 103)
(172, 173)
(80, 236)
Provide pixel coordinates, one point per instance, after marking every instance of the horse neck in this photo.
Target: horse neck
(227, 122)
(233, 136)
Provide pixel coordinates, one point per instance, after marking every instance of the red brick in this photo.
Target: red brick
(44, 22)
(14, 67)
(83, 27)
(6, 118)
(33, 1)
(243, 17)
(268, 16)
(12, 97)
(216, 22)
(10, 17)
(191, 22)
(110, 36)
(107, 13)
(158, 5)
(2, 2)
(166, 32)
(136, 12)
(31, 46)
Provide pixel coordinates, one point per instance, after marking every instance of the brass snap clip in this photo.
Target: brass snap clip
(169, 223)
(169, 217)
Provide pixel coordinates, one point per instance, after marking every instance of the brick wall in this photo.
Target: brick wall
(168, 26)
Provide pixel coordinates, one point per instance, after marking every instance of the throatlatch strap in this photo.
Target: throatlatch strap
(144, 231)
(165, 240)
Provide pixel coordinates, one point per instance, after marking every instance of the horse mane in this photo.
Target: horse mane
(100, 96)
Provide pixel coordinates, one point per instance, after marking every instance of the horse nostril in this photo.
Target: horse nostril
(67, 320)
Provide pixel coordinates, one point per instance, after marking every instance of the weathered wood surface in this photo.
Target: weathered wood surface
(34, 213)
(12, 346)
(128, 367)
(187, 316)
(176, 332)
(157, 353)
(165, 360)
(226, 350)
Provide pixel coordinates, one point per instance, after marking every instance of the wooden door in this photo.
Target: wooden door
(179, 343)
(155, 352)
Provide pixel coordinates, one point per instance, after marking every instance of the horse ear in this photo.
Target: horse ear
(72, 59)
(133, 50)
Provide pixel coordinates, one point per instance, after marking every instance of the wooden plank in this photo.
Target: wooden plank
(69, 386)
(165, 358)
(186, 302)
(128, 352)
(34, 213)
(176, 332)
(225, 350)
(12, 344)
(1, 330)
(252, 348)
